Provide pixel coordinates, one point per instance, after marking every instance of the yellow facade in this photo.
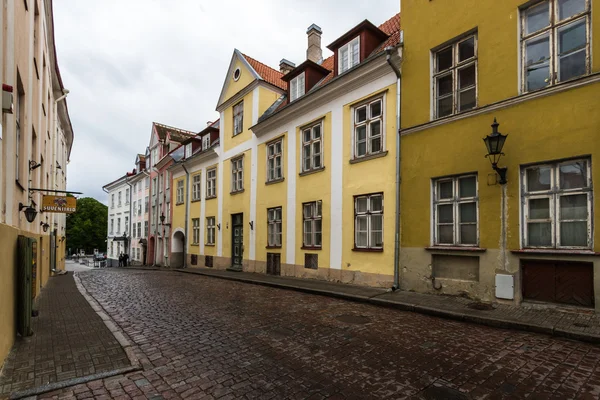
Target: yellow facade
(211, 209)
(559, 122)
(194, 212)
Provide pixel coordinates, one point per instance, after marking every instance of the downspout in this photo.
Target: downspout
(187, 205)
(396, 70)
(130, 218)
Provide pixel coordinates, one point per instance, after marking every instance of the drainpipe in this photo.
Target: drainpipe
(187, 205)
(130, 219)
(396, 70)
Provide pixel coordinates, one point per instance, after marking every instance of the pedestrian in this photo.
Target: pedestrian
(125, 259)
(120, 259)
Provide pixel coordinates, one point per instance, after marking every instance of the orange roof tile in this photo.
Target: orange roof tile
(267, 73)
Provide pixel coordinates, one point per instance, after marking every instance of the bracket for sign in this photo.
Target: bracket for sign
(54, 191)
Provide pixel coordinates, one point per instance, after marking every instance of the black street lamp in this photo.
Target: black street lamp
(45, 226)
(494, 143)
(30, 212)
(162, 218)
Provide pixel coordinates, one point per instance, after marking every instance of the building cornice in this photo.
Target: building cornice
(562, 87)
(247, 89)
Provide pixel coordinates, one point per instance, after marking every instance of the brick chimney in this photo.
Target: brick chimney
(286, 66)
(314, 52)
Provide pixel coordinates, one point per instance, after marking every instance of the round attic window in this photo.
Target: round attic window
(236, 74)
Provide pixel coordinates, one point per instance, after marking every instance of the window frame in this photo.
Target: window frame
(367, 123)
(348, 46)
(298, 90)
(273, 144)
(238, 118)
(368, 213)
(237, 174)
(211, 183)
(554, 194)
(316, 206)
(205, 142)
(196, 187)
(273, 223)
(210, 228)
(310, 144)
(554, 25)
(179, 192)
(453, 71)
(455, 201)
(196, 231)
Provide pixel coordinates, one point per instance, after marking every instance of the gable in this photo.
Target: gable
(246, 77)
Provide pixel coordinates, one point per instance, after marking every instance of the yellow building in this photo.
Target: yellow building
(530, 66)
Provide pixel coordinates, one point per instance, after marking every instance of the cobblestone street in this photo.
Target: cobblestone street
(200, 337)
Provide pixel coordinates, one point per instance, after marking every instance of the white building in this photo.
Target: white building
(119, 219)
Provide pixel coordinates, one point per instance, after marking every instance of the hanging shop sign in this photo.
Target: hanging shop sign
(59, 204)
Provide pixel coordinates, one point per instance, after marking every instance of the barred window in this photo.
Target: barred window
(368, 221)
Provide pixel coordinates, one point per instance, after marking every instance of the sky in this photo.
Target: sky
(128, 63)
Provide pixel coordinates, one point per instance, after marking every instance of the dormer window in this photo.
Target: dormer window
(205, 142)
(297, 87)
(348, 55)
(188, 150)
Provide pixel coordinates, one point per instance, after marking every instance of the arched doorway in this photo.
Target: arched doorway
(177, 245)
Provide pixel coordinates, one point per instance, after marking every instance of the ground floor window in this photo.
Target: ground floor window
(368, 221)
(274, 227)
(455, 211)
(210, 230)
(195, 230)
(312, 224)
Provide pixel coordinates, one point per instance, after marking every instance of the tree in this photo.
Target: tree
(86, 228)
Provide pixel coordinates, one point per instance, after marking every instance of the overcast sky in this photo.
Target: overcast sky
(128, 63)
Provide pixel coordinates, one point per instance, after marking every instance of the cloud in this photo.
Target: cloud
(129, 63)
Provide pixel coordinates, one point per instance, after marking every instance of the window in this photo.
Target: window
(19, 114)
(134, 208)
(274, 168)
(188, 150)
(555, 42)
(139, 229)
(126, 228)
(368, 221)
(154, 156)
(118, 226)
(455, 210)
(139, 211)
(112, 226)
(145, 228)
(210, 230)
(297, 87)
(211, 183)
(134, 187)
(147, 182)
(139, 186)
(238, 118)
(237, 174)
(112, 249)
(312, 147)
(119, 204)
(368, 128)
(167, 180)
(180, 191)
(312, 222)
(455, 77)
(153, 186)
(348, 55)
(195, 230)
(112, 200)
(274, 227)
(196, 187)
(146, 205)
(558, 205)
(205, 142)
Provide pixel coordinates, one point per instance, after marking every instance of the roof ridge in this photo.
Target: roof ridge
(184, 131)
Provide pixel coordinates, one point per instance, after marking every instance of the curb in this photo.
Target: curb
(452, 315)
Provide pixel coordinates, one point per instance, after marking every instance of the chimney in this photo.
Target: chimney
(286, 66)
(314, 52)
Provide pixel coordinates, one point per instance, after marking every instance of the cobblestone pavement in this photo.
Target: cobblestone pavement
(69, 341)
(206, 338)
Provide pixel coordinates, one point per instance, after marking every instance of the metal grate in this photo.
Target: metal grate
(208, 261)
(273, 263)
(311, 261)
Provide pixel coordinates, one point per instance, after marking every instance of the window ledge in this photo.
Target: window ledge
(557, 252)
(179, 204)
(195, 201)
(312, 171)
(210, 197)
(457, 248)
(237, 191)
(194, 244)
(360, 249)
(210, 244)
(357, 160)
(274, 181)
(272, 247)
(311, 248)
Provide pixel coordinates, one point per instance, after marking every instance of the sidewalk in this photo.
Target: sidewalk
(70, 344)
(579, 324)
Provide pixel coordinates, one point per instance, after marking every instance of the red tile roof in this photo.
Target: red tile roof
(267, 73)
(175, 134)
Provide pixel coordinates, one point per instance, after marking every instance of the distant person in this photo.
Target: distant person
(120, 259)
(125, 259)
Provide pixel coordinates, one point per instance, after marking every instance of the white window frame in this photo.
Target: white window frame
(120, 199)
(237, 174)
(368, 213)
(552, 30)
(297, 87)
(188, 150)
(139, 205)
(348, 47)
(238, 118)
(312, 212)
(112, 226)
(455, 201)
(205, 142)
(126, 196)
(272, 157)
(180, 191)
(139, 229)
(211, 183)
(145, 228)
(146, 205)
(134, 208)
(369, 120)
(196, 185)
(554, 195)
(453, 71)
(210, 231)
(310, 144)
(195, 230)
(112, 200)
(274, 226)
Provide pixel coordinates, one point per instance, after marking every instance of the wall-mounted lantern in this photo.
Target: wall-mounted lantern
(162, 218)
(45, 226)
(30, 212)
(494, 143)
(251, 223)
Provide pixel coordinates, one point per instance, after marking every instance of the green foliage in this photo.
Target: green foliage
(86, 228)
